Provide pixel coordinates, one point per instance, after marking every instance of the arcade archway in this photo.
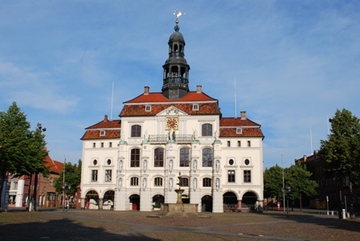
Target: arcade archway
(92, 200)
(108, 200)
(206, 203)
(249, 199)
(135, 202)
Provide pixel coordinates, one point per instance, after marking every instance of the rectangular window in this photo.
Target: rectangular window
(134, 181)
(207, 157)
(102, 144)
(239, 143)
(94, 144)
(184, 182)
(158, 182)
(159, 157)
(94, 175)
(110, 144)
(249, 144)
(108, 175)
(247, 176)
(228, 143)
(135, 131)
(231, 175)
(184, 157)
(135, 158)
(147, 108)
(207, 182)
(206, 130)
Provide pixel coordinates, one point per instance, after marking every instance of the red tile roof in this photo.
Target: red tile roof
(106, 124)
(54, 166)
(111, 128)
(139, 110)
(158, 103)
(159, 97)
(249, 128)
(95, 134)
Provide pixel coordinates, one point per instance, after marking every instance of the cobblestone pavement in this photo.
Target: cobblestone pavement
(55, 224)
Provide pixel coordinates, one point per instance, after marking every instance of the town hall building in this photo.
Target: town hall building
(176, 138)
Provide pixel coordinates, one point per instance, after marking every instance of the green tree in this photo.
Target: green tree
(273, 181)
(340, 151)
(22, 151)
(72, 178)
(298, 179)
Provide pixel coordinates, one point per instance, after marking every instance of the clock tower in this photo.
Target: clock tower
(176, 69)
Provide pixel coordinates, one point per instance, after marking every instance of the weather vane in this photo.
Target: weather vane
(178, 14)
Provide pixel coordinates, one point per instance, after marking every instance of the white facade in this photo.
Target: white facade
(135, 163)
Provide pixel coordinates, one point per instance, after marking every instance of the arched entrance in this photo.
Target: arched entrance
(249, 199)
(206, 203)
(92, 200)
(157, 201)
(230, 201)
(230, 198)
(135, 202)
(108, 200)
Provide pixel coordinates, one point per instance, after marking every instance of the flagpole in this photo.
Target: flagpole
(63, 186)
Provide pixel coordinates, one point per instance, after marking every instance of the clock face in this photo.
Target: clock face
(171, 123)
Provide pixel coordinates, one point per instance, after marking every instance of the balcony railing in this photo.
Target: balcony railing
(178, 138)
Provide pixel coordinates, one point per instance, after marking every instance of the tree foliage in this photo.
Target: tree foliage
(298, 179)
(341, 151)
(72, 178)
(22, 151)
(273, 181)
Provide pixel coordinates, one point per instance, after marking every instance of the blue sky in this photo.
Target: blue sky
(295, 63)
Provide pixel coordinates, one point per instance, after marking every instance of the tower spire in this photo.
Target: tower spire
(176, 69)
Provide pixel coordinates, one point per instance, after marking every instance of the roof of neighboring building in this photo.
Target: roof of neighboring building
(249, 128)
(54, 166)
(111, 130)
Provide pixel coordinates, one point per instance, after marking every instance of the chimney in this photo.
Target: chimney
(243, 115)
(198, 89)
(106, 118)
(146, 90)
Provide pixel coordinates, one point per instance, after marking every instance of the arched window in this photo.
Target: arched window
(207, 157)
(207, 182)
(135, 158)
(135, 131)
(158, 182)
(184, 157)
(159, 157)
(206, 130)
(134, 181)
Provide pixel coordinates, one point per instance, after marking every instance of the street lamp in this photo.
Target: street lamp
(41, 129)
(65, 186)
(288, 189)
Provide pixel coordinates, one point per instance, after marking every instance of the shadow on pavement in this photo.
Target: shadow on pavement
(62, 229)
(327, 221)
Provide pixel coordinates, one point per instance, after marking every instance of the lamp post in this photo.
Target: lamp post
(288, 189)
(65, 186)
(41, 129)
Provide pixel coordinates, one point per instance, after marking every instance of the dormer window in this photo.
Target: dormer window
(147, 108)
(238, 130)
(195, 107)
(102, 133)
